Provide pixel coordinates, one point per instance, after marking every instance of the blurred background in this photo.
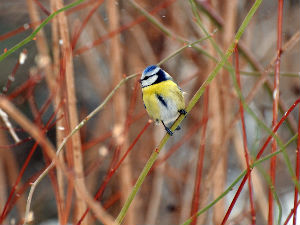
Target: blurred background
(77, 59)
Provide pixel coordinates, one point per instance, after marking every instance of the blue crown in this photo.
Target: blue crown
(150, 68)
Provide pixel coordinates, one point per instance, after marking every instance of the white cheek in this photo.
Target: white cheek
(168, 76)
(149, 81)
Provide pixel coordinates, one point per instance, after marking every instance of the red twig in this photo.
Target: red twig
(28, 158)
(261, 151)
(33, 80)
(132, 104)
(9, 34)
(14, 188)
(84, 23)
(26, 26)
(22, 190)
(42, 7)
(189, 134)
(206, 5)
(114, 169)
(129, 120)
(121, 29)
(98, 140)
(81, 6)
(15, 129)
(297, 173)
(195, 203)
(28, 138)
(246, 152)
(112, 200)
(16, 144)
(11, 77)
(291, 213)
(275, 110)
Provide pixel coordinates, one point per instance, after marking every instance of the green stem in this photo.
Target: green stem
(273, 190)
(245, 105)
(34, 33)
(253, 165)
(154, 21)
(192, 44)
(218, 198)
(191, 104)
(91, 115)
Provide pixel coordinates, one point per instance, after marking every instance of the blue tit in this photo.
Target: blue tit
(162, 97)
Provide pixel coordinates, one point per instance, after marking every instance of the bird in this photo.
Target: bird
(162, 97)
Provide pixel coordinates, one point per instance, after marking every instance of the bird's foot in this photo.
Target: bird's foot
(169, 131)
(182, 112)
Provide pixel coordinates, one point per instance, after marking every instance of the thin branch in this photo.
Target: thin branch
(85, 120)
(34, 33)
(10, 128)
(246, 151)
(275, 108)
(190, 106)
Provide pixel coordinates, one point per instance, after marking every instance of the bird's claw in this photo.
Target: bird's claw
(169, 131)
(182, 111)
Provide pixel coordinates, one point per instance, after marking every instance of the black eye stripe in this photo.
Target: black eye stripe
(146, 78)
(161, 76)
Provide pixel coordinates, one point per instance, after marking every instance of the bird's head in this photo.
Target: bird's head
(152, 75)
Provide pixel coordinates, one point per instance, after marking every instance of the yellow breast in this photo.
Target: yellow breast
(170, 92)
